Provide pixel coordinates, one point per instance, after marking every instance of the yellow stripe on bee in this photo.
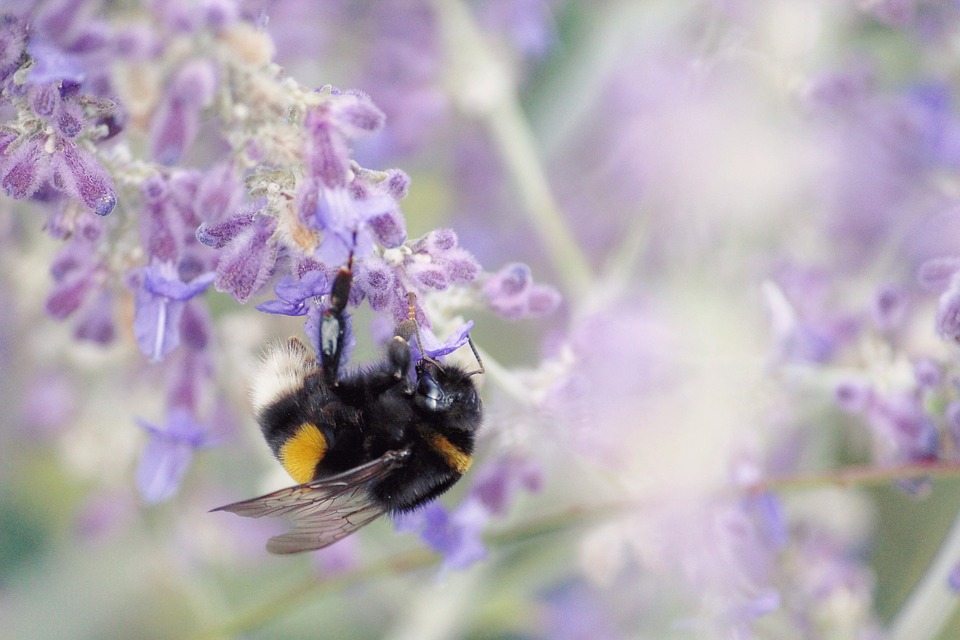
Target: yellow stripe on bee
(301, 453)
(458, 460)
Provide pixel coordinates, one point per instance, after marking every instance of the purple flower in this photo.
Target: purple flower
(13, 39)
(935, 274)
(853, 397)
(575, 612)
(97, 323)
(161, 225)
(433, 262)
(344, 219)
(952, 416)
(458, 534)
(889, 308)
(434, 347)
(330, 128)
(512, 293)
(927, 373)
(953, 580)
(78, 174)
(905, 430)
(176, 121)
(25, 169)
(160, 301)
(168, 454)
(293, 294)
(247, 258)
(948, 312)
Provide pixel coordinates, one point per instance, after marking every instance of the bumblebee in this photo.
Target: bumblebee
(362, 443)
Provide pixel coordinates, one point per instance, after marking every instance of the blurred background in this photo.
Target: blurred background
(706, 407)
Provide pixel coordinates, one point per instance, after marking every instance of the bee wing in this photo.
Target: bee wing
(322, 511)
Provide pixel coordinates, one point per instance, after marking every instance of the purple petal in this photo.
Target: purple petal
(355, 115)
(543, 300)
(79, 175)
(13, 38)
(161, 468)
(935, 274)
(196, 82)
(294, 293)
(97, 324)
(70, 119)
(162, 280)
(948, 314)
(389, 228)
(156, 324)
(398, 184)
(25, 169)
(327, 153)
(174, 127)
(44, 99)
(161, 226)
(953, 580)
(218, 235)
(247, 260)
(53, 65)
(428, 276)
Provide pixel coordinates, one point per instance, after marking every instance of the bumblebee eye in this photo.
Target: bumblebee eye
(429, 394)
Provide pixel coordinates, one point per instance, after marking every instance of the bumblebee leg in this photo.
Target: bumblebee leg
(398, 357)
(333, 325)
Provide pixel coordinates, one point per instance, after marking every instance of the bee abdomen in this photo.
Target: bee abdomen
(456, 458)
(302, 452)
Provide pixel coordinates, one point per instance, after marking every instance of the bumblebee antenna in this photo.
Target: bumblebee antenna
(476, 354)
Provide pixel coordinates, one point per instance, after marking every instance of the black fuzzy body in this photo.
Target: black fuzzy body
(372, 411)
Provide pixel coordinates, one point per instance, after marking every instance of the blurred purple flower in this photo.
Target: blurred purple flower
(13, 39)
(907, 431)
(576, 612)
(953, 580)
(889, 309)
(25, 169)
(176, 121)
(458, 534)
(935, 274)
(853, 397)
(97, 324)
(168, 454)
(512, 293)
(160, 300)
(948, 312)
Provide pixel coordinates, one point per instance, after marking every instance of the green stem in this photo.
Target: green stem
(859, 476)
(481, 83)
(930, 606)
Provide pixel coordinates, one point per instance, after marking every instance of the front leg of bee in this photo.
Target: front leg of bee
(333, 326)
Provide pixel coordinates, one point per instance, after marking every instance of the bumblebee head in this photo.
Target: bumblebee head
(447, 392)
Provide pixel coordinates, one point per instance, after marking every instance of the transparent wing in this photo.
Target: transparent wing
(322, 511)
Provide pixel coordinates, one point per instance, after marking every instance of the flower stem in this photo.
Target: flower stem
(482, 85)
(310, 587)
(859, 476)
(931, 605)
